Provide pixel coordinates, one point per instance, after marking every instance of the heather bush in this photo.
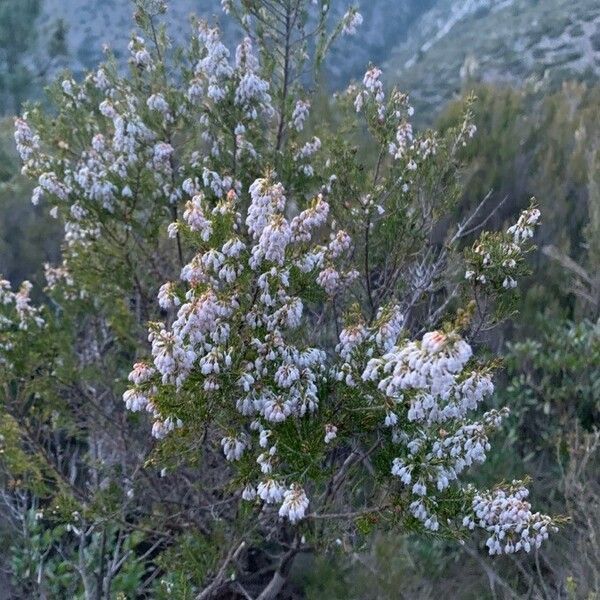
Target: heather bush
(304, 314)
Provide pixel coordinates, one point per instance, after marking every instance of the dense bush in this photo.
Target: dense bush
(316, 373)
(552, 390)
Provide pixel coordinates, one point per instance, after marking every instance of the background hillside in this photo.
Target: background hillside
(89, 25)
(539, 42)
(432, 48)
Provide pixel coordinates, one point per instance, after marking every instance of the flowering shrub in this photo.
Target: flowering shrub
(307, 336)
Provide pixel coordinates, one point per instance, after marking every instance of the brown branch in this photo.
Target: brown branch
(217, 582)
(281, 574)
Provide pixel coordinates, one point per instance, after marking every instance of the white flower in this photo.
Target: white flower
(351, 21)
(294, 504)
(139, 53)
(330, 280)
(233, 447)
(300, 114)
(167, 296)
(330, 433)
(276, 409)
(274, 239)
(286, 375)
(161, 428)
(523, 229)
(266, 201)
(507, 516)
(371, 79)
(162, 156)
(339, 244)
(311, 147)
(350, 338)
(391, 320)
(135, 400)
(249, 493)
(270, 491)
(158, 103)
(391, 419)
(141, 373)
(196, 218)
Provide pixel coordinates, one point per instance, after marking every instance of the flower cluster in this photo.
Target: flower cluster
(373, 90)
(351, 21)
(426, 391)
(26, 314)
(129, 140)
(523, 229)
(497, 259)
(300, 114)
(506, 516)
(427, 383)
(27, 142)
(307, 151)
(17, 314)
(294, 504)
(388, 117)
(243, 289)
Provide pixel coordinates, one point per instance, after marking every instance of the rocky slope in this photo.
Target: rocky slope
(431, 48)
(92, 24)
(537, 42)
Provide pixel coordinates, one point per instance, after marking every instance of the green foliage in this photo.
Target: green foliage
(28, 235)
(35, 558)
(554, 381)
(20, 469)
(16, 38)
(187, 564)
(543, 145)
